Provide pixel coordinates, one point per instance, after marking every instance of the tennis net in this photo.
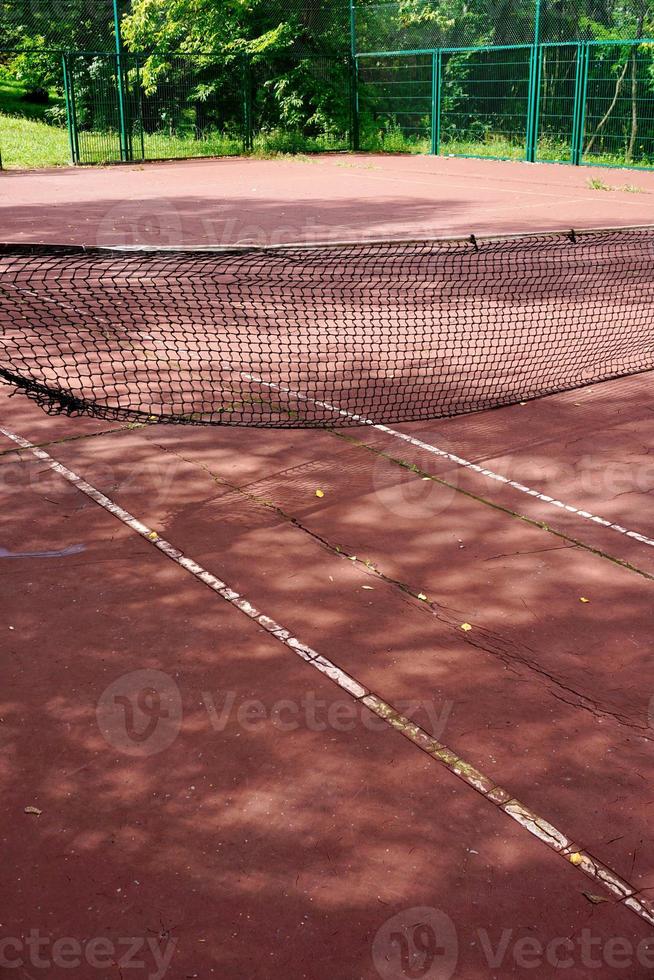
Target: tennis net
(327, 334)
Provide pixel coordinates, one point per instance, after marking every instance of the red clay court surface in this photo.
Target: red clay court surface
(403, 729)
(337, 197)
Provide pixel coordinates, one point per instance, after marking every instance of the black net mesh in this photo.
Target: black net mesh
(324, 335)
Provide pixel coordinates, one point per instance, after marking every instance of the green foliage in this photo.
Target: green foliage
(202, 75)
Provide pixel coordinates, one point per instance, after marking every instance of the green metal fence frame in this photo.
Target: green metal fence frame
(533, 117)
(125, 62)
(578, 80)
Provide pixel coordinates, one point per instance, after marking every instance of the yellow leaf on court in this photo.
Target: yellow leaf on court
(583, 599)
(576, 859)
(320, 493)
(466, 627)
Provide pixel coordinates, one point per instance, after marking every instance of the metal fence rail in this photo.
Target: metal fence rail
(587, 102)
(583, 102)
(124, 107)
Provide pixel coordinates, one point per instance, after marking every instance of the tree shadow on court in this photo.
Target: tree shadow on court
(185, 220)
(272, 835)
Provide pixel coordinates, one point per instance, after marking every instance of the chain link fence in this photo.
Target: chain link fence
(591, 102)
(402, 25)
(126, 108)
(463, 77)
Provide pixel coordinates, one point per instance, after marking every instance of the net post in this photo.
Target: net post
(70, 125)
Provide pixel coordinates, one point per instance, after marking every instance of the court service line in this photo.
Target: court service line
(460, 461)
(534, 824)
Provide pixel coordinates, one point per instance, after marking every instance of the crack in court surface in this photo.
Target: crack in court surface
(459, 461)
(534, 824)
(494, 645)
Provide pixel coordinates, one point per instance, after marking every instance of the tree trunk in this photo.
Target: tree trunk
(634, 92)
(607, 115)
(629, 156)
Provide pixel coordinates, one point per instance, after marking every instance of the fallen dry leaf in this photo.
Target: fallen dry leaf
(595, 899)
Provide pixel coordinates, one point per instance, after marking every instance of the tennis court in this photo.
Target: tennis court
(373, 698)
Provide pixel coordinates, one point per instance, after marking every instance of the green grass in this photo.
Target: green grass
(618, 160)
(26, 138)
(160, 145)
(596, 184)
(28, 143)
(497, 147)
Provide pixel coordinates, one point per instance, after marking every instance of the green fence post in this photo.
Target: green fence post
(534, 88)
(120, 87)
(533, 102)
(439, 100)
(580, 104)
(355, 136)
(139, 90)
(246, 81)
(579, 66)
(69, 108)
(537, 23)
(435, 86)
(354, 81)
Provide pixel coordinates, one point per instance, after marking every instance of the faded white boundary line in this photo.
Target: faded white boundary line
(555, 839)
(459, 461)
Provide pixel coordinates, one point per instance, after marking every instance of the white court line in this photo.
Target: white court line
(544, 831)
(466, 463)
